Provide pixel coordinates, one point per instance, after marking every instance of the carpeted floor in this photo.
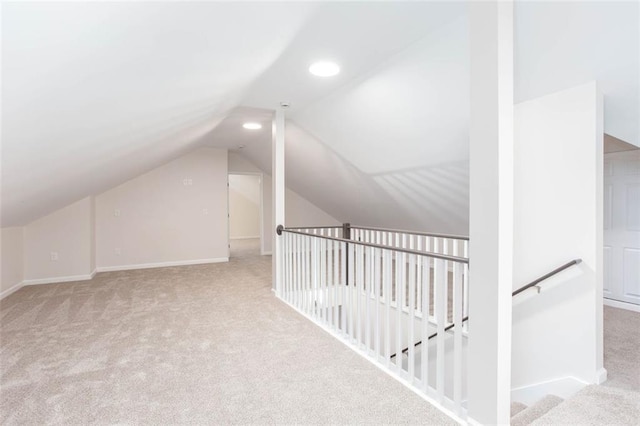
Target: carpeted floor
(206, 344)
(595, 406)
(622, 348)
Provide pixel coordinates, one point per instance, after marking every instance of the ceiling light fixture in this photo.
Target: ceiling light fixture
(324, 69)
(252, 126)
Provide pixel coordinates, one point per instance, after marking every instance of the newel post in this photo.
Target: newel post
(491, 144)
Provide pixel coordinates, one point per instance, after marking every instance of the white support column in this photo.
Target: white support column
(277, 170)
(491, 212)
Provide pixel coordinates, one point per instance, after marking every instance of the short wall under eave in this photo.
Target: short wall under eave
(11, 253)
(59, 246)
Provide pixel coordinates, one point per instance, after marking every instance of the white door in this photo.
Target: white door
(622, 226)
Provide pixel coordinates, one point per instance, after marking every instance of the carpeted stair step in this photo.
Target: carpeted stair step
(537, 410)
(517, 407)
(596, 405)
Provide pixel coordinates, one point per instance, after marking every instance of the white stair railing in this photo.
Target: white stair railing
(391, 302)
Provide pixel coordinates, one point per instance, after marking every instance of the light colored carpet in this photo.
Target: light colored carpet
(517, 407)
(622, 348)
(596, 405)
(205, 344)
(529, 414)
(249, 247)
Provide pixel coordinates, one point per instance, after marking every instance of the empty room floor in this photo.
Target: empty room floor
(195, 344)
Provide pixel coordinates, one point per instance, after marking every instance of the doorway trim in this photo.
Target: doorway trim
(261, 208)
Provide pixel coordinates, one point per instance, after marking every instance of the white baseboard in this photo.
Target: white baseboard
(601, 376)
(266, 253)
(563, 387)
(257, 237)
(11, 290)
(161, 264)
(86, 277)
(54, 280)
(622, 305)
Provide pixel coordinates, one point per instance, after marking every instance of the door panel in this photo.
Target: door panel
(622, 226)
(631, 274)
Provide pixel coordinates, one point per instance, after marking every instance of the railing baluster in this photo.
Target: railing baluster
(343, 283)
(308, 276)
(296, 270)
(301, 273)
(436, 288)
(367, 297)
(457, 333)
(419, 261)
(358, 288)
(411, 317)
(304, 272)
(314, 277)
(288, 268)
(447, 312)
(386, 274)
(398, 312)
(465, 295)
(426, 284)
(353, 300)
(376, 298)
(333, 281)
(440, 273)
(324, 262)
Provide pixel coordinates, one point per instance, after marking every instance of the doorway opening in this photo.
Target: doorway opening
(621, 224)
(245, 214)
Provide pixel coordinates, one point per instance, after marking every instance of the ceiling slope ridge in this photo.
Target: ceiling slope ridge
(326, 146)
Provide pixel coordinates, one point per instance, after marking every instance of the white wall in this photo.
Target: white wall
(244, 206)
(298, 210)
(562, 44)
(558, 217)
(11, 253)
(176, 213)
(67, 233)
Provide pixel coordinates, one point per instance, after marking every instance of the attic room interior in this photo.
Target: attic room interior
(320, 212)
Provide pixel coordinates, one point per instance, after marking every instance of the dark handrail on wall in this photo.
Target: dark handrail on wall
(316, 227)
(515, 293)
(546, 276)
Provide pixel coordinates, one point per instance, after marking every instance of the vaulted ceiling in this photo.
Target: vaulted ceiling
(96, 93)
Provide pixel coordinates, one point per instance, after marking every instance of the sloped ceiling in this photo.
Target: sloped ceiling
(565, 44)
(96, 93)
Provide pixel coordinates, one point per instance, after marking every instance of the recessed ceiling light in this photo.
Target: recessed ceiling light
(324, 69)
(252, 126)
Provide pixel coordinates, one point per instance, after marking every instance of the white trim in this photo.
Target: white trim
(11, 290)
(601, 376)
(267, 253)
(256, 237)
(66, 279)
(564, 387)
(260, 175)
(161, 264)
(621, 305)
